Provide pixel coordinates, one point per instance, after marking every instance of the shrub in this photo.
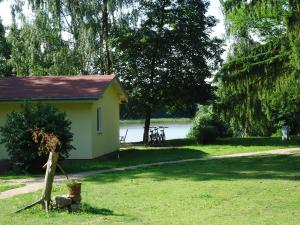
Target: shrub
(206, 126)
(17, 132)
(71, 183)
(206, 134)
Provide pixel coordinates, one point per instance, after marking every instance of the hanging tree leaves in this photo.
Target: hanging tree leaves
(5, 51)
(65, 37)
(264, 58)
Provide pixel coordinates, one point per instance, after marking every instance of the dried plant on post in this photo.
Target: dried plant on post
(49, 143)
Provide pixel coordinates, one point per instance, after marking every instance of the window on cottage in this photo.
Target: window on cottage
(99, 120)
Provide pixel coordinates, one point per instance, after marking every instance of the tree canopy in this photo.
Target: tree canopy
(64, 37)
(164, 59)
(5, 51)
(259, 82)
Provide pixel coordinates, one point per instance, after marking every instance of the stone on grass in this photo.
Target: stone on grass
(68, 202)
(63, 201)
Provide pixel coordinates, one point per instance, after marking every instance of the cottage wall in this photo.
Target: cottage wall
(107, 140)
(80, 115)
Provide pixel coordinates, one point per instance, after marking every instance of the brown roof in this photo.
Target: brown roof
(54, 87)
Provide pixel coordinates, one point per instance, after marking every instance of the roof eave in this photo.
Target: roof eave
(123, 94)
(49, 99)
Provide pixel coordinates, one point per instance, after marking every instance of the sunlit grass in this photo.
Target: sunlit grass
(179, 149)
(137, 153)
(250, 190)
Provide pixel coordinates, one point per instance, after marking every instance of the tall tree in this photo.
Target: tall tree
(37, 46)
(81, 30)
(166, 56)
(255, 82)
(5, 50)
(110, 8)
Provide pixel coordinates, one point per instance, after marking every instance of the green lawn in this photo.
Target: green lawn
(13, 175)
(179, 149)
(158, 120)
(136, 153)
(4, 186)
(250, 190)
(238, 145)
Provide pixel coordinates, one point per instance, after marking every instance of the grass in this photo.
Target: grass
(13, 175)
(136, 153)
(179, 149)
(249, 190)
(4, 186)
(157, 120)
(239, 145)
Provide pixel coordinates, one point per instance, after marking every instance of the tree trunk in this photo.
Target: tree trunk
(105, 29)
(246, 129)
(49, 178)
(48, 183)
(147, 126)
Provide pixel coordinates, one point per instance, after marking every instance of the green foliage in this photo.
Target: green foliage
(37, 49)
(205, 135)
(164, 59)
(206, 126)
(65, 37)
(258, 84)
(5, 50)
(71, 183)
(16, 134)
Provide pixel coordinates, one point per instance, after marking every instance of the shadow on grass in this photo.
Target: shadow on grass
(180, 142)
(256, 167)
(160, 154)
(133, 157)
(87, 208)
(257, 141)
(127, 157)
(251, 141)
(168, 152)
(168, 143)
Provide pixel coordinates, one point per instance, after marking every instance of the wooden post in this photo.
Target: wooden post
(45, 200)
(49, 143)
(49, 178)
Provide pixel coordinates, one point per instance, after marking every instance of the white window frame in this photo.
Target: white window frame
(99, 120)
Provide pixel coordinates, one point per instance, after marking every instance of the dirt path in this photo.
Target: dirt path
(35, 184)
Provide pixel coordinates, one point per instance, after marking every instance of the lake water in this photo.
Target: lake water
(174, 131)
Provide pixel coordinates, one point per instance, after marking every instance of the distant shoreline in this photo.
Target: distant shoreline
(157, 120)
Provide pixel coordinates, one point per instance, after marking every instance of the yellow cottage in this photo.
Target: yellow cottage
(90, 102)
